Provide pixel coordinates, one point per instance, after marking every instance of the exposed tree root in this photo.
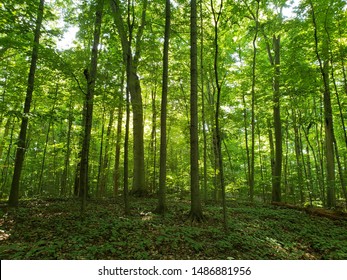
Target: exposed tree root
(196, 217)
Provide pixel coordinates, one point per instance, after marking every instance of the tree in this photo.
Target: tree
(196, 209)
(131, 57)
(161, 208)
(324, 67)
(255, 18)
(274, 59)
(21, 145)
(276, 183)
(219, 156)
(90, 76)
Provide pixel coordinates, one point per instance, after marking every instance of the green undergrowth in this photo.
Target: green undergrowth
(53, 229)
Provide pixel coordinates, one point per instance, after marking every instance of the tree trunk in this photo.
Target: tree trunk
(64, 177)
(153, 142)
(196, 209)
(245, 123)
(298, 151)
(126, 157)
(276, 179)
(216, 17)
(99, 191)
(161, 208)
(134, 88)
(116, 174)
(21, 146)
(255, 17)
(272, 149)
(105, 162)
(203, 113)
(90, 75)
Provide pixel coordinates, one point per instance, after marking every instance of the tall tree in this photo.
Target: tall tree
(126, 156)
(90, 75)
(21, 146)
(131, 56)
(276, 184)
(274, 58)
(255, 17)
(196, 209)
(216, 19)
(116, 174)
(323, 59)
(162, 172)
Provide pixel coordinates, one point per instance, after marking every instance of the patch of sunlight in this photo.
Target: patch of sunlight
(275, 244)
(146, 216)
(4, 235)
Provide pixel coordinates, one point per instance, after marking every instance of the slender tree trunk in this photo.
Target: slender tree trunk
(276, 184)
(21, 146)
(261, 164)
(64, 177)
(298, 150)
(90, 75)
(104, 170)
(255, 17)
(272, 149)
(161, 208)
(285, 167)
(153, 143)
(203, 113)
(99, 191)
(116, 174)
(248, 158)
(126, 157)
(196, 209)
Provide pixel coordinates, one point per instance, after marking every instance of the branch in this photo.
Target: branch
(140, 33)
(117, 16)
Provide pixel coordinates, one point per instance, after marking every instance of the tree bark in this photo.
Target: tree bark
(64, 177)
(203, 111)
(90, 75)
(276, 179)
(116, 175)
(162, 207)
(105, 162)
(196, 209)
(126, 157)
(134, 88)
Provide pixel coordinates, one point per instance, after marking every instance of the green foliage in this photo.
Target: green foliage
(50, 229)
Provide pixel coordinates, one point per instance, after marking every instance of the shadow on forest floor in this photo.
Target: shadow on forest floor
(52, 229)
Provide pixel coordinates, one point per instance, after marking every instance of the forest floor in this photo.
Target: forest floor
(53, 229)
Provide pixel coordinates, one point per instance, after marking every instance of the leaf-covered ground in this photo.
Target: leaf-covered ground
(53, 229)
